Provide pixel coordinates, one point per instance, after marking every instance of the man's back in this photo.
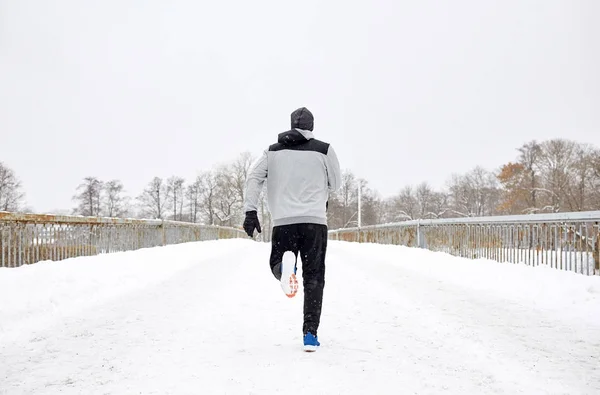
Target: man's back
(300, 172)
(297, 182)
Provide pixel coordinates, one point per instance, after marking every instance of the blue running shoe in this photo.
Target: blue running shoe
(311, 342)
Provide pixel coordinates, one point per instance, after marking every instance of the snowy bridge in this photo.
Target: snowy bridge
(208, 318)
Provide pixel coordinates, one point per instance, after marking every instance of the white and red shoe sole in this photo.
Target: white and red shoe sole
(289, 282)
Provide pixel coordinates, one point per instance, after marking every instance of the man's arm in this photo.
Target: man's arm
(255, 182)
(334, 175)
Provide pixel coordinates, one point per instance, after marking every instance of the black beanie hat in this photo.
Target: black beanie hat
(302, 119)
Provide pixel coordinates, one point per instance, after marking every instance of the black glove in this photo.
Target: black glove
(251, 222)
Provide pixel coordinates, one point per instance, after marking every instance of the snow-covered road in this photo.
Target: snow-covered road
(208, 318)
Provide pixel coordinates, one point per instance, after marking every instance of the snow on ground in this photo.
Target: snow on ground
(208, 318)
(34, 295)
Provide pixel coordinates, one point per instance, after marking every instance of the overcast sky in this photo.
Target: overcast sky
(406, 91)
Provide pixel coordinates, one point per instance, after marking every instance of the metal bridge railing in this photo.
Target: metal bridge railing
(565, 241)
(30, 238)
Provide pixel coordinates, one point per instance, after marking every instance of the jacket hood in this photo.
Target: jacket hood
(295, 137)
(302, 119)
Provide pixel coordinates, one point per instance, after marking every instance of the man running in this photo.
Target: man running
(300, 172)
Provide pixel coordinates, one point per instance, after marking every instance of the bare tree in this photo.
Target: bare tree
(529, 158)
(11, 196)
(556, 164)
(208, 196)
(348, 197)
(440, 207)
(239, 176)
(115, 203)
(239, 173)
(580, 179)
(372, 207)
(193, 197)
(475, 193)
(404, 206)
(228, 200)
(231, 187)
(89, 197)
(424, 196)
(153, 199)
(175, 196)
(343, 204)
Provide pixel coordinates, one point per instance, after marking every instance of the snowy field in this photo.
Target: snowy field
(208, 318)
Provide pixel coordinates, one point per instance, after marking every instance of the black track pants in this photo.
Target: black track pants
(310, 240)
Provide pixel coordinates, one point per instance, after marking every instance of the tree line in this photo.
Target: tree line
(214, 197)
(550, 176)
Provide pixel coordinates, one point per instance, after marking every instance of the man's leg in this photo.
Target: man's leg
(285, 238)
(313, 247)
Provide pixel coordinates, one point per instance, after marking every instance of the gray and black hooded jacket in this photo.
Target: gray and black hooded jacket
(300, 173)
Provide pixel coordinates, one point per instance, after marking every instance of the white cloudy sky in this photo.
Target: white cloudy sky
(406, 91)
